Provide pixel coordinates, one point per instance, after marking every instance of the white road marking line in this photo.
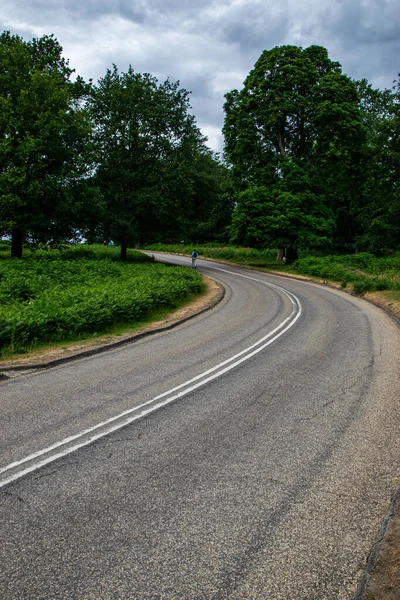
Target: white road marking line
(260, 341)
(248, 352)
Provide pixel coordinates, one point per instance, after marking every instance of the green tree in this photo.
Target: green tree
(141, 126)
(377, 106)
(295, 132)
(287, 215)
(220, 202)
(188, 200)
(204, 194)
(378, 211)
(44, 135)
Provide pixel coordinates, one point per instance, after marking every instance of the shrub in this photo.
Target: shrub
(44, 300)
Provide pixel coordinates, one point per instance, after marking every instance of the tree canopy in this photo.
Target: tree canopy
(121, 159)
(295, 132)
(44, 135)
(311, 157)
(378, 209)
(147, 141)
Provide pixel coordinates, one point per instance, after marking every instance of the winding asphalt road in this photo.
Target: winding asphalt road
(249, 453)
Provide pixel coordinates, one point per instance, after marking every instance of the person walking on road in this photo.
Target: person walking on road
(194, 256)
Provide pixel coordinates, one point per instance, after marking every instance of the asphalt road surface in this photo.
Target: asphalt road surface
(249, 453)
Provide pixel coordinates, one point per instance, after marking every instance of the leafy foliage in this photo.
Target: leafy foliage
(378, 211)
(294, 137)
(245, 256)
(312, 156)
(363, 271)
(44, 141)
(152, 158)
(285, 215)
(45, 298)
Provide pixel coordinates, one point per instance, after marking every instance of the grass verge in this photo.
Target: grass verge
(360, 273)
(47, 299)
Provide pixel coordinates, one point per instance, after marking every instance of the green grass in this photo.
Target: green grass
(362, 272)
(73, 252)
(83, 290)
(48, 298)
(243, 256)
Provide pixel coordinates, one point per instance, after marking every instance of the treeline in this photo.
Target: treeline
(315, 157)
(119, 160)
(311, 157)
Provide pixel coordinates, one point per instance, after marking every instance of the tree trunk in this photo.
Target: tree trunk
(123, 251)
(281, 137)
(291, 255)
(279, 256)
(17, 239)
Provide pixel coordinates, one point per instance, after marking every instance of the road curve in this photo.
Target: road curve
(249, 453)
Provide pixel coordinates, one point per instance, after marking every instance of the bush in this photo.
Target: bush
(52, 299)
(365, 272)
(246, 256)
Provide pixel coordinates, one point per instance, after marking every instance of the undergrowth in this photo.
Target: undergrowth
(47, 297)
(362, 272)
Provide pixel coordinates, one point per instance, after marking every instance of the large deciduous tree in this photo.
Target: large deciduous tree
(142, 128)
(294, 137)
(43, 141)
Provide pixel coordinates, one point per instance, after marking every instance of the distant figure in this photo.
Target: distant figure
(194, 256)
(105, 243)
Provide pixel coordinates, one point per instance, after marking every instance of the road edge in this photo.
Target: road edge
(378, 549)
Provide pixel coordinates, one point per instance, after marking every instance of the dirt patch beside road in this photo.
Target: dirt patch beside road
(384, 300)
(383, 582)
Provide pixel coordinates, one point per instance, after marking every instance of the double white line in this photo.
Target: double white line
(38, 459)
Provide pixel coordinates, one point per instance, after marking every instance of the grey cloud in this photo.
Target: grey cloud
(136, 12)
(24, 32)
(84, 12)
(153, 12)
(207, 110)
(254, 27)
(380, 65)
(367, 35)
(185, 7)
(365, 22)
(210, 45)
(198, 84)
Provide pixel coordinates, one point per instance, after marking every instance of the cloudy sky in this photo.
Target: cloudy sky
(211, 45)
